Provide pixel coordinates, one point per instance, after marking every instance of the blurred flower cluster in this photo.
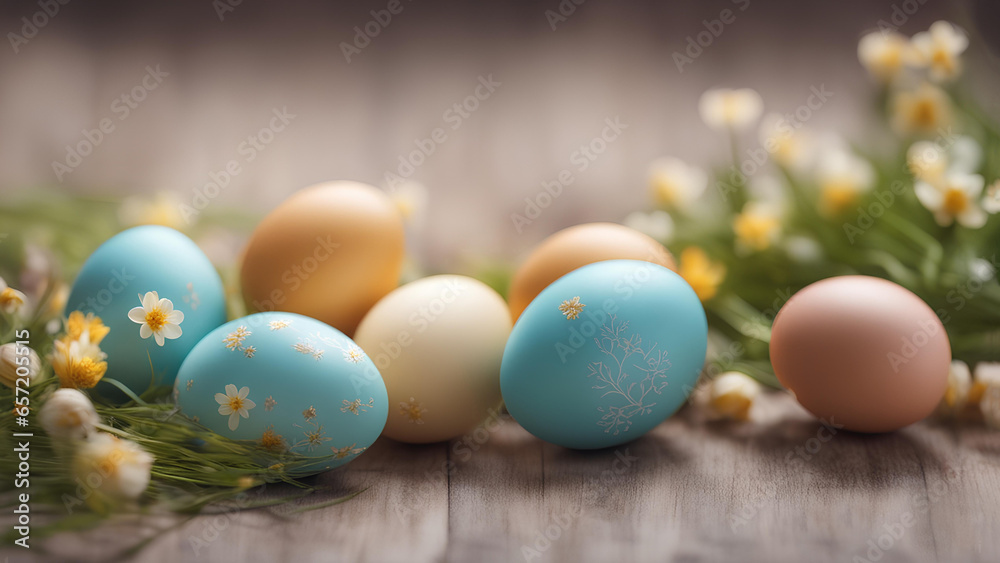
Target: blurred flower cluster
(795, 205)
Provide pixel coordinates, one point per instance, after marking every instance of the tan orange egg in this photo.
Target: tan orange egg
(862, 353)
(576, 247)
(330, 251)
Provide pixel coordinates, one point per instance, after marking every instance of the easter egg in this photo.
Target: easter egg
(329, 252)
(604, 354)
(578, 246)
(117, 277)
(438, 342)
(861, 353)
(287, 382)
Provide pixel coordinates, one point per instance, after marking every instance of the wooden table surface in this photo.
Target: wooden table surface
(783, 488)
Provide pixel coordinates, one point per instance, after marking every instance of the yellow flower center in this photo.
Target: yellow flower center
(701, 274)
(955, 201)
(941, 58)
(235, 403)
(665, 191)
(838, 197)
(82, 373)
(271, 440)
(156, 319)
(413, 411)
(755, 230)
(925, 113)
(9, 296)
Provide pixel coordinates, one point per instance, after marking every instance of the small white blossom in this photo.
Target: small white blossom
(732, 395)
(939, 49)
(118, 468)
(157, 317)
(736, 109)
(68, 414)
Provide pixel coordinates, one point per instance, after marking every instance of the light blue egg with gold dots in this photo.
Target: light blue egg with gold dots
(289, 383)
(119, 275)
(604, 354)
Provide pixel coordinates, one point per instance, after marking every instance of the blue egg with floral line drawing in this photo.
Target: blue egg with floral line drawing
(604, 354)
(289, 383)
(180, 294)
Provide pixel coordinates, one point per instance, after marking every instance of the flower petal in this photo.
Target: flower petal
(244, 392)
(231, 390)
(149, 300)
(170, 331)
(176, 317)
(159, 338)
(137, 315)
(166, 305)
(221, 399)
(929, 196)
(249, 404)
(234, 421)
(972, 218)
(145, 331)
(225, 409)
(244, 413)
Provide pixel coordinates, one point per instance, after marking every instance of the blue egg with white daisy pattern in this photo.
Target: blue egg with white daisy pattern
(289, 383)
(604, 354)
(158, 294)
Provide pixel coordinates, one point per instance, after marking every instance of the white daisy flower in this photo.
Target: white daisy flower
(123, 466)
(930, 162)
(939, 48)
(674, 183)
(843, 178)
(656, 224)
(234, 404)
(956, 199)
(68, 413)
(731, 395)
(885, 54)
(724, 108)
(157, 317)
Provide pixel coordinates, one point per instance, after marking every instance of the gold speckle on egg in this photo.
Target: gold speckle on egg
(309, 413)
(412, 410)
(572, 308)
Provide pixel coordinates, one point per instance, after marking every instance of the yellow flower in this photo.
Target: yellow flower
(234, 404)
(923, 111)
(956, 396)
(12, 301)
(118, 469)
(939, 48)
(703, 275)
(79, 363)
(724, 108)
(271, 440)
(885, 54)
(757, 227)
(163, 208)
(732, 394)
(987, 375)
(77, 324)
(843, 178)
(675, 184)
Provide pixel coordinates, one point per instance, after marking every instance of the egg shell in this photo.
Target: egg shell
(438, 342)
(606, 373)
(861, 352)
(112, 281)
(311, 386)
(578, 246)
(330, 251)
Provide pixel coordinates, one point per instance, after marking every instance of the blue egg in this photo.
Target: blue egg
(604, 354)
(113, 281)
(289, 383)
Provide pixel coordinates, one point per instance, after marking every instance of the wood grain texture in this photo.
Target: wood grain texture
(691, 490)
